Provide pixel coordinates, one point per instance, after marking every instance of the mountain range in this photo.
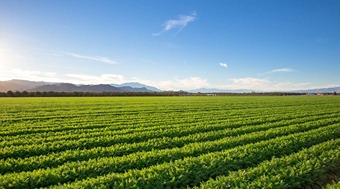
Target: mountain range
(321, 90)
(34, 86)
(137, 85)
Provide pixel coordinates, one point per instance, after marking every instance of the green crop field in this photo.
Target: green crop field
(170, 142)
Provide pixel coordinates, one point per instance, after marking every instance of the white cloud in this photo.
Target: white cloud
(95, 79)
(282, 70)
(93, 58)
(224, 65)
(26, 74)
(266, 84)
(279, 70)
(176, 84)
(33, 75)
(189, 83)
(181, 22)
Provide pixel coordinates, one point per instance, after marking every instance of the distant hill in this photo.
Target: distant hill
(19, 85)
(67, 87)
(33, 86)
(137, 85)
(135, 89)
(320, 90)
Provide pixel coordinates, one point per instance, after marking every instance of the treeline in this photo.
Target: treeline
(164, 93)
(88, 94)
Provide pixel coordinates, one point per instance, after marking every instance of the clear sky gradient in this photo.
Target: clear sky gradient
(173, 45)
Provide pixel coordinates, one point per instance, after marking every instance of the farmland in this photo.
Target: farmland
(170, 142)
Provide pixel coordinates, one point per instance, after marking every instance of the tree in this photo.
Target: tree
(10, 93)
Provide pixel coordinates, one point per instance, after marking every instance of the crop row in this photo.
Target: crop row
(96, 167)
(13, 141)
(115, 124)
(190, 171)
(157, 125)
(40, 126)
(91, 123)
(54, 159)
(104, 141)
(305, 168)
(86, 143)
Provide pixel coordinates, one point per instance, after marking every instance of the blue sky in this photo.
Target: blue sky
(247, 44)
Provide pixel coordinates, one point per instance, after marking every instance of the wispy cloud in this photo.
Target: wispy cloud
(93, 58)
(180, 23)
(224, 65)
(282, 70)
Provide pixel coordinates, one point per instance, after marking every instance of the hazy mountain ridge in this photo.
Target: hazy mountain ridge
(137, 85)
(68, 87)
(320, 90)
(32, 86)
(20, 85)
